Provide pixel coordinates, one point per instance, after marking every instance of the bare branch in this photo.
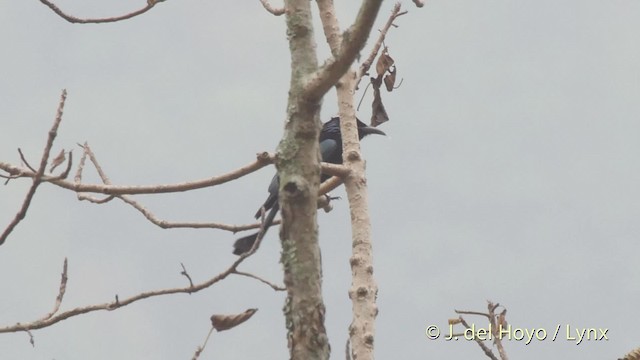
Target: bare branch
(92, 157)
(147, 214)
(38, 176)
(364, 67)
(8, 178)
(472, 313)
(78, 177)
(118, 303)
(74, 20)
(263, 159)
(335, 169)
(56, 306)
(271, 9)
(329, 185)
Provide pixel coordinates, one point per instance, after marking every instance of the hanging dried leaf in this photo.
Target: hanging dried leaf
(226, 322)
(390, 80)
(384, 62)
(378, 112)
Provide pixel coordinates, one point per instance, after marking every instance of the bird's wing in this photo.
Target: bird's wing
(273, 196)
(331, 151)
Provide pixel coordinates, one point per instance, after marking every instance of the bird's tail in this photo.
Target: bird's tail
(244, 244)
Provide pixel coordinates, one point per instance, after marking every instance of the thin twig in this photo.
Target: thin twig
(10, 177)
(362, 97)
(148, 214)
(66, 171)
(63, 289)
(364, 67)
(272, 285)
(31, 340)
(201, 348)
(75, 20)
(25, 162)
(37, 178)
(186, 274)
(464, 312)
(118, 303)
(78, 177)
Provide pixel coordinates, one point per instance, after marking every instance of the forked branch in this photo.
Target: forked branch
(55, 317)
(39, 175)
(364, 67)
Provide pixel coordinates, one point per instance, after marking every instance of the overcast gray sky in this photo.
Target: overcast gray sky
(510, 173)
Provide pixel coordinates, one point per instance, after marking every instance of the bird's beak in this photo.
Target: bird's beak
(372, 130)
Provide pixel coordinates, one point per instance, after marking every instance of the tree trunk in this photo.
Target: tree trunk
(298, 164)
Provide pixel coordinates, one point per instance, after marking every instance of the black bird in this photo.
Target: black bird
(331, 152)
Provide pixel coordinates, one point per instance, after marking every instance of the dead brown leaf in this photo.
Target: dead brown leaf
(226, 322)
(378, 112)
(390, 80)
(384, 62)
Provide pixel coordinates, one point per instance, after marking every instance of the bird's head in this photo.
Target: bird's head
(332, 127)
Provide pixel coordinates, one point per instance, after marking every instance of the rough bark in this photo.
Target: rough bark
(298, 163)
